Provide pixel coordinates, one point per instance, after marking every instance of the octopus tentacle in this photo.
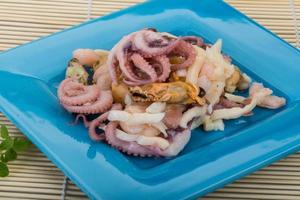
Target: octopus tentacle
(68, 88)
(135, 64)
(165, 67)
(186, 50)
(127, 67)
(136, 83)
(116, 57)
(179, 141)
(150, 43)
(85, 121)
(97, 122)
(73, 92)
(193, 40)
(94, 124)
(130, 70)
(72, 88)
(120, 53)
(142, 64)
(102, 104)
(112, 62)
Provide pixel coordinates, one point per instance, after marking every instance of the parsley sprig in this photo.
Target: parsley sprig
(9, 147)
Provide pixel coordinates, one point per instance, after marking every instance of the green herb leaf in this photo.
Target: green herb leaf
(4, 132)
(21, 144)
(8, 149)
(6, 144)
(9, 155)
(3, 170)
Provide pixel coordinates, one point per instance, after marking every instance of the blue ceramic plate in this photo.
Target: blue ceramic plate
(31, 73)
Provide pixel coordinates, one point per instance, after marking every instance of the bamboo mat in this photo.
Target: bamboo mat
(33, 176)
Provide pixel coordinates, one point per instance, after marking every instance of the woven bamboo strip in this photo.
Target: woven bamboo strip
(272, 176)
(33, 178)
(31, 195)
(30, 170)
(118, 1)
(258, 3)
(25, 24)
(13, 198)
(230, 189)
(51, 8)
(51, 1)
(81, 12)
(38, 19)
(33, 167)
(74, 193)
(216, 198)
(269, 171)
(252, 196)
(277, 187)
(81, 4)
(77, 16)
(29, 190)
(108, 4)
(25, 30)
(30, 185)
(17, 38)
(17, 174)
(269, 180)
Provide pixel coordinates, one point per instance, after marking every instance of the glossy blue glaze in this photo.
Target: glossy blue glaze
(30, 74)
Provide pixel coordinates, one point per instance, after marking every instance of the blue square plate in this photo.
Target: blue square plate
(31, 73)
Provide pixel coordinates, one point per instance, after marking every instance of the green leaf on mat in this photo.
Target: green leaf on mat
(21, 144)
(9, 155)
(4, 132)
(3, 170)
(6, 144)
(9, 148)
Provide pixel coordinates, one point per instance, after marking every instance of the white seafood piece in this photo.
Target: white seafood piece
(156, 107)
(190, 114)
(270, 101)
(182, 72)
(128, 100)
(140, 129)
(236, 112)
(197, 122)
(194, 70)
(135, 118)
(204, 82)
(143, 140)
(244, 82)
(215, 91)
(161, 127)
(235, 98)
(213, 125)
(223, 69)
(86, 56)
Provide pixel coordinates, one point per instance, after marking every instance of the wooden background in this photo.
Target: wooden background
(33, 176)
